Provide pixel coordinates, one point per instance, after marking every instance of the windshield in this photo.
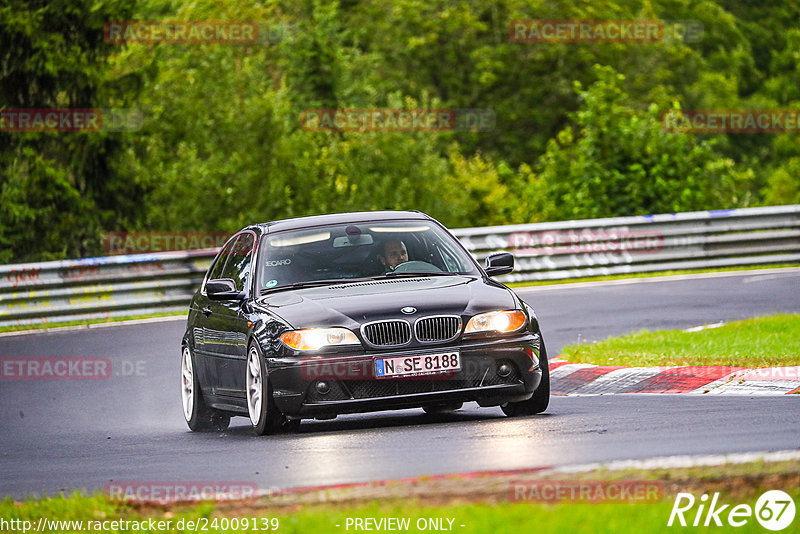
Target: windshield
(364, 250)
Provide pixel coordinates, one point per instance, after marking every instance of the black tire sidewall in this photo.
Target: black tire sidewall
(540, 399)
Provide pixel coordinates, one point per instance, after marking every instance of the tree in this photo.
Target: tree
(58, 189)
(615, 161)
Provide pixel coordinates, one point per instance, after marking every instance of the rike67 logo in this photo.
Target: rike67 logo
(774, 510)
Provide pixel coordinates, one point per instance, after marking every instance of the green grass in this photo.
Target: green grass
(45, 326)
(761, 342)
(648, 275)
(478, 518)
(494, 511)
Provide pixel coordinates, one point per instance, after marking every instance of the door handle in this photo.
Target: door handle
(207, 311)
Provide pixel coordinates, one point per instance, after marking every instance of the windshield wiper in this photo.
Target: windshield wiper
(420, 273)
(315, 283)
(334, 281)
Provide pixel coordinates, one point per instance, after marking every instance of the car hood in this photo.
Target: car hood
(351, 305)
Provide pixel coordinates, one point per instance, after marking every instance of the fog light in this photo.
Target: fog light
(323, 387)
(504, 370)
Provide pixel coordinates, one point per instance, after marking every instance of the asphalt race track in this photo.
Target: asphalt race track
(67, 434)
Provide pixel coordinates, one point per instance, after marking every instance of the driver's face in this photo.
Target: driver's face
(394, 253)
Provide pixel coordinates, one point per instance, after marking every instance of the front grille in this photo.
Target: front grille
(387, 333)
(438, 328)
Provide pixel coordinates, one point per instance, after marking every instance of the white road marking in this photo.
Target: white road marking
(772, 387)
(705, 327)
(96, 325)
(667, 462)
(666, 278)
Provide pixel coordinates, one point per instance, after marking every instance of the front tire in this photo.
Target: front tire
(264, 415)
(541, 397)
(198, 416)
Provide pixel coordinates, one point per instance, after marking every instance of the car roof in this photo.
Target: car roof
(337, 218)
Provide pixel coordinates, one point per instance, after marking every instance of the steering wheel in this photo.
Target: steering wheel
(416, 266)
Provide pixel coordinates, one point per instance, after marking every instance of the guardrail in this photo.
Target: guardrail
(113, 286)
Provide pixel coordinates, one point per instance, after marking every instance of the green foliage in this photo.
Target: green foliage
(783, 184)
(577, 132)
(43, 213)
(57, 189)
(617, 161)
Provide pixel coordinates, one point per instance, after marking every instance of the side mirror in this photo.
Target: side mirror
(223, 289)
(499, 263)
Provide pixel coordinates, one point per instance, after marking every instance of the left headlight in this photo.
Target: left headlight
(496, 321)
(317, 338)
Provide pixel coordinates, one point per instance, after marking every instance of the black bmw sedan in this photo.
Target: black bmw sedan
(318, 316)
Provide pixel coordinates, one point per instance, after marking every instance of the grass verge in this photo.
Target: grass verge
(488, 503)
(761, 342)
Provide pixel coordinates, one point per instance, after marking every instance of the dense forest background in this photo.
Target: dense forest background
(577, 135)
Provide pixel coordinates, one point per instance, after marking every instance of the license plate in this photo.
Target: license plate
(426, 364)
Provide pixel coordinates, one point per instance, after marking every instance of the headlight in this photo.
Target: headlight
(316, 338)
(496, 321)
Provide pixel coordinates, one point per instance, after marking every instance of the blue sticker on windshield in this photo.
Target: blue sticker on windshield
(271, 283)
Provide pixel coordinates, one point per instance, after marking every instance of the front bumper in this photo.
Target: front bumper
(352, 386)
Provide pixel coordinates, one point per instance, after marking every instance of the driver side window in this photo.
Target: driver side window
(222, 258)
(234, 261)
(237, 268)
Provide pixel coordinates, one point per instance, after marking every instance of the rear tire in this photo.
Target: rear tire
(198, 416)
(541, 397)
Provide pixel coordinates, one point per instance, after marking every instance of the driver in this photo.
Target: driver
(394, 253)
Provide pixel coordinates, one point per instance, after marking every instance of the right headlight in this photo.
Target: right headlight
(496, 321)
(317, 338)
